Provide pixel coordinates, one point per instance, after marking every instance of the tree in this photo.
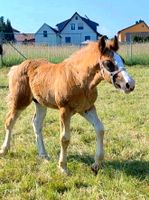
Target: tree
(9, 35)
(2, 24)
(6, 30)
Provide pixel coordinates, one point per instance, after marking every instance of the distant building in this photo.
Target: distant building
(24, 38)
(140, 28)
(71, 31)
(47, 35)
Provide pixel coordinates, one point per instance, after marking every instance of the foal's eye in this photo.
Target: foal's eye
(109, 66)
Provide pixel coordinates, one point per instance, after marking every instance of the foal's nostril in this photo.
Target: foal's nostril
(127, 85)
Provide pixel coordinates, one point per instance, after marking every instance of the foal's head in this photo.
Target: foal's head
(112, 65)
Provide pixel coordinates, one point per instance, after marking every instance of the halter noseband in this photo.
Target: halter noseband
(112, 74)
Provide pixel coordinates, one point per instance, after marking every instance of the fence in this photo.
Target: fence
(133, 53)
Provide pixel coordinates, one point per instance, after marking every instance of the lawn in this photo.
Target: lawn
(125, 173)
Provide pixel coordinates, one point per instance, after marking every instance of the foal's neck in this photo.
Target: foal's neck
(84, 65)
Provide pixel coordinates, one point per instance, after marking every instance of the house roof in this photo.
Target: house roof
(89, 22)
(141, 21)
(53, 29)
(15, 30)
(24, 37)
(62, 25)
(56, 31)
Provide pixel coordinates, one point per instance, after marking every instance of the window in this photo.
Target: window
(87, 37)
(72, 26)
(76, 17)
(80, 26)
(45, 34)
(67, 40)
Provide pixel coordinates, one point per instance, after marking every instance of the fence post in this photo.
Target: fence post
(1, 54)
(131, 52)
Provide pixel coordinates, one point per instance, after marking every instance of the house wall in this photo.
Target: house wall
(141, 27)
(51, 39)
(77, 36)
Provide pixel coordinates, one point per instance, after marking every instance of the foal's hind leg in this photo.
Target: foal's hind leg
(37, 125)
(92, 117)
(9, 123)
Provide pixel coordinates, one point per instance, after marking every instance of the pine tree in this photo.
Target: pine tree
(6, 30)
(9, 35)
(2, 24)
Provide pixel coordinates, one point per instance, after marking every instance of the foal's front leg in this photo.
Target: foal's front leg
(65, 117)
(92, 117)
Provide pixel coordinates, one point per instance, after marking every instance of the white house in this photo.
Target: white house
(74, 31)
(47, 35)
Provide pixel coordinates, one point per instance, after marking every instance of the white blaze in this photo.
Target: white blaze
(120, 65)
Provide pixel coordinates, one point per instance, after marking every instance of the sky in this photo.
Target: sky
(28, 16)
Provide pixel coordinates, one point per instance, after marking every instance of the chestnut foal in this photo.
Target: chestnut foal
(71, 87)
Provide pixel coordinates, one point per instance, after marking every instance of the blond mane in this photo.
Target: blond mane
(86, 56)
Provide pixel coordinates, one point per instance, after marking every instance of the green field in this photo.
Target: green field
(132, 53)
(125, 173)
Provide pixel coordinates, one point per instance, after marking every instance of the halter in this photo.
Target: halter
(118, 61)
(112, 74)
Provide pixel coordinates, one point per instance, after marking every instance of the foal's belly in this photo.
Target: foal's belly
(77, 101)
(83, 101)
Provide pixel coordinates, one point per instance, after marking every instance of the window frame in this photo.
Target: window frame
(72, 26)
(80, 26)
(87, 37)
(45, 33)
(68, 40)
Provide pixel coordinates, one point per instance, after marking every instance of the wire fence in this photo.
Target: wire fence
(133, 53)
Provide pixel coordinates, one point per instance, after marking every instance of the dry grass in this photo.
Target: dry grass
(53, 54)
(137, 53)
(133, 54)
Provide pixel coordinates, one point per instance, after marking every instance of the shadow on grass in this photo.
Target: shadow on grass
(3, 86)
(136, 168)
(87, 159)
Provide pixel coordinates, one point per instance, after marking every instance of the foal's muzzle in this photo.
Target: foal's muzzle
(130, 86)
(124, 83)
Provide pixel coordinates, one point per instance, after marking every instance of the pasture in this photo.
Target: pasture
(132, 53)
(125, 172)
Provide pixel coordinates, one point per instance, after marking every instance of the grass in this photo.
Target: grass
(125, 174)
(53, 54)
(133, 54)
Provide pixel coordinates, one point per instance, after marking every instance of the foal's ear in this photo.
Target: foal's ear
(102, 44)
(113, 44)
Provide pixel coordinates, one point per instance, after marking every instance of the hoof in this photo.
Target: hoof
(3, 151)
(64, 171)
(45, 157)
(95, 168)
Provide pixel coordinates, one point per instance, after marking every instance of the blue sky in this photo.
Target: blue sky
(112, 15)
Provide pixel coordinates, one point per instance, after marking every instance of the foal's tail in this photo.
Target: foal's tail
(19, 95)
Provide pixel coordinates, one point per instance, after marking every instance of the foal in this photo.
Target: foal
(69, 86)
